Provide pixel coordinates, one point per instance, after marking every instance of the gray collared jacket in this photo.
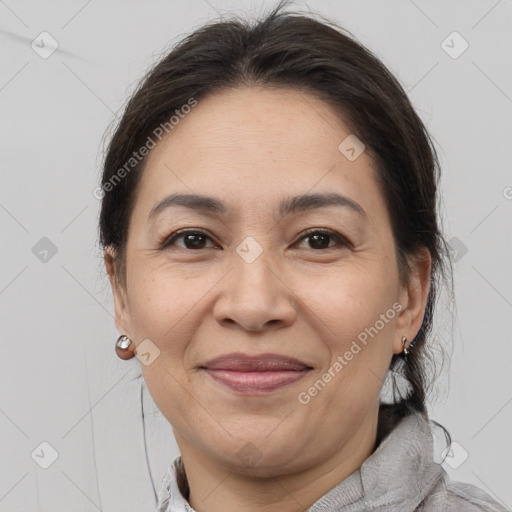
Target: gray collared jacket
(399, 476)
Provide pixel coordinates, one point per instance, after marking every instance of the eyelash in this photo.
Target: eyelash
(168, 240)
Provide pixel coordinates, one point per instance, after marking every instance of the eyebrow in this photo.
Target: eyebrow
(289, 206)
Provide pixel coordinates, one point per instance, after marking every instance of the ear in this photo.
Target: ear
(122, 317)
(413, 298)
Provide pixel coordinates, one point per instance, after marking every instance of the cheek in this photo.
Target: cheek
(356, 320)
(350, 300)
(160, 308)
(162, 312)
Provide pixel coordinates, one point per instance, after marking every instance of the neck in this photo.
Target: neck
(213, 488)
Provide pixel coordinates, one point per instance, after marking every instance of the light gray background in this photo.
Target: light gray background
(61, 381)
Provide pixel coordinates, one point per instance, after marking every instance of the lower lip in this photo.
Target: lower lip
(250, 382)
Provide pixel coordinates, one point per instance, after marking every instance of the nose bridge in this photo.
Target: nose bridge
(255, 295)
(256, 276)
(255, 273)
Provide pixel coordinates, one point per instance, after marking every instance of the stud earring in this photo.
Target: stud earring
(124, 347)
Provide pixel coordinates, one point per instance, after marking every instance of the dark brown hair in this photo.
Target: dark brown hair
(320, 58)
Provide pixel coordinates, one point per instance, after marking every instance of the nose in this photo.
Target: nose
(255, 296)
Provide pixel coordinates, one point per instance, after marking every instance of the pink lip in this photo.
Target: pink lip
(253, 374)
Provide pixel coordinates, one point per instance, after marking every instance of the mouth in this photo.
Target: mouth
(255, 374)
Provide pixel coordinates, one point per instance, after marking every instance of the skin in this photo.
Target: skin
(251, 148)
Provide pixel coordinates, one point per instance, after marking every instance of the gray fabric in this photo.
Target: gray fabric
(399, 476)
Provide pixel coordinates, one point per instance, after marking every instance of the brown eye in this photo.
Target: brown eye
(319, 239)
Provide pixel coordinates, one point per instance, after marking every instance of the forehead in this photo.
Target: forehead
(284, 124)
(251, 145)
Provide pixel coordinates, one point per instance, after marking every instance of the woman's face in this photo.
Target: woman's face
(254, 282)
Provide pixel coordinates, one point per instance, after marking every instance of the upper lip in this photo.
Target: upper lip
(257, 363)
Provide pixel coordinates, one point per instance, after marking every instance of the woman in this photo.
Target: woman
(270, 232)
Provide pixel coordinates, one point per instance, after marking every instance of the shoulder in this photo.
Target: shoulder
(452, 496)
